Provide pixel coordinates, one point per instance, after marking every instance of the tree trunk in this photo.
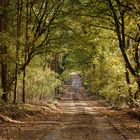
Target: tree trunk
(130, 100)
(4, 81)
(24, 86)
(19, 16)
(3, 27)
(138, 82)
(55, 68)
(55, 63)
(26, 51)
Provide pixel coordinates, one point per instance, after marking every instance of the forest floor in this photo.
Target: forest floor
(75, 117)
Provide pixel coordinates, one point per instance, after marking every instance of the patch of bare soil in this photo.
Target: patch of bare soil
(126, 121)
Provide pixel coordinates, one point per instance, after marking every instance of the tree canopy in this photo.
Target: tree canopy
(41, 41)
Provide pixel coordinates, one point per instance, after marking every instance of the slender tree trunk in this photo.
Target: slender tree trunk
(55, 68)
(3, 27)
(41, 94)
(4, 81)
(55, 63)
(137, 68)
(24, 86)
(26, 52)
(137, 94)
(127, 75)
(130, 100)
(19, 16)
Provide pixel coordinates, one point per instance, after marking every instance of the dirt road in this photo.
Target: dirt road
(77, 119)
(83, 122)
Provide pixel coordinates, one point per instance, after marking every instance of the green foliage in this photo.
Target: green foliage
(40, 82)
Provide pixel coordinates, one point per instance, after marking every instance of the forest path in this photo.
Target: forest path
(84, 122)
(77, 119)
